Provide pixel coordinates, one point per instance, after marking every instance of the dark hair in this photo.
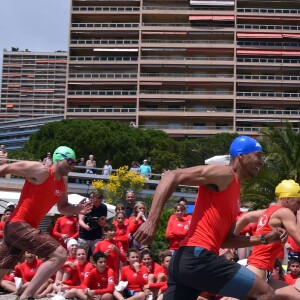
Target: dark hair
(281, 272)
(182, 199)
(80, 248)
(120, 213)
(109, 227)
(132, 250)
(96, 256)
(293, 260)
(182, 207)
(147, 252)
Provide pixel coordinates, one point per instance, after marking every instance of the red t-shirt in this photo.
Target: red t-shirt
(122, 235)
(78, 275)
(290, 279)
(112, 258)
(136, 280)
(66, 225)
(101, 283)
(176, 231)
(264, 256)
(37, 199)
(1, 229)
(294, 245)
(213, 216)
(26, 270)
(132, 226)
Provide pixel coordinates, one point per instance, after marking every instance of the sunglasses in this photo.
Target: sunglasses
(70, 161)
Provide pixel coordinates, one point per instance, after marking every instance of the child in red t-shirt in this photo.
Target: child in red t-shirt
(122, 232)
(294, 271)
(113, 250)
(101, 279)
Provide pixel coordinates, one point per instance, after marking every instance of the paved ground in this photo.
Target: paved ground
(13, 297)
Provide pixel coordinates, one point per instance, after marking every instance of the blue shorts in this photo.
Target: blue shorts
(194, 270)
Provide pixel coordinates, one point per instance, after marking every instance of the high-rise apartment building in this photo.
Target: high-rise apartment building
(189, 67)
(33, 84)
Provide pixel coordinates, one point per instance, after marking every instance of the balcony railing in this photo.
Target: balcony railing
(102, 58)
(268, 94)
(270, 60)
(267, 111)
(207, 24)
(268, 77)
(268, 27)
(186, 75)
(177, 57)
(103, 76)
(150, 92)
(104, 42)
(269, 10)
(102, 93)
(186, 127)
(268, 44)
(106, 8)
(187, 8)
(105, 25)
(188, 41)
(101, 110)
(186, 109)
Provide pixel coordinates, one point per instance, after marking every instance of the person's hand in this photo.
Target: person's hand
(139, 215)
(64, 236)
(136, 266)
(84, 207)
(145, 233)
(107, 252)
(288, 246)
(70, 264)
(277, 234)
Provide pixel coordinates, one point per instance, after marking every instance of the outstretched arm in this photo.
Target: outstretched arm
(34, 172)
(220, 176)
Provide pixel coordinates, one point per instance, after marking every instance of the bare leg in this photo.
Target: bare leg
(45, 271)
(118, 295)
(8, 286)
(284, 290)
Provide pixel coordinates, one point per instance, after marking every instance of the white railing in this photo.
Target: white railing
(177, 57)
(105, 8)
(187, 109)
(103, 76)
(268, 27)
(105, 25)
(103, 58)
(268, 94)
(187, 92)
(105, 42)
(268, 77)
(186, 127)
(269, 10)
(269, 60)
(188, 41)
(102, 93)
(268, 44)
(101, 110)
(254, 111)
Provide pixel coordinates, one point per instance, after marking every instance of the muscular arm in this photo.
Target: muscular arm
(219, 176)
(34, 172)
(247, 218)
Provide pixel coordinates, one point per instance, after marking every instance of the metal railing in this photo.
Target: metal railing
(105, 42)
(101, 110)
(103, 76)
(106, 8)
(268, 27)
(267, 111)
(187, 109)
(270, 60)
(187, 92)
(103, 58)
(105, 25)
(177, 57)
(187, 8)
(102, 93)
(186, 75)
(268, 44)
(268, 94)
(188, 41)
(186, 127)
(269, 10)
(268, 77)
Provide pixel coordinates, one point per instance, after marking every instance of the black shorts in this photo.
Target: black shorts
(194, 269)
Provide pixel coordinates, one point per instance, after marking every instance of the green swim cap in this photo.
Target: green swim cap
(63, 152)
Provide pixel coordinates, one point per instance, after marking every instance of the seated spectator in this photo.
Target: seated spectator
(107, 168)
(177, 227)
(278, 271)
(112, 249)
(66, 227)
(76, 278)
(90, 165)
(3, 155)
(100, 280)
(122, 232)
(293, 271)
(4, 217)
(137, 218)
(47, 161)
(136, 275)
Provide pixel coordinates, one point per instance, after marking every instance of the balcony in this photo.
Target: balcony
(172, 92)
(268, 112)
(102, 93)
(193, 58)
(268, 44)
(105, 25)
(269, 11)
(268, 94)
(185, 8)
(267, 27)
(268, 77)
(105, 9)
(99, 110)
(104, 42)
(180, 76)
(102, 76)
(269, 60)
(103, 58)
(188, 41)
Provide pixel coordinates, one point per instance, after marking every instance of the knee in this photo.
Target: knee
(60, 254)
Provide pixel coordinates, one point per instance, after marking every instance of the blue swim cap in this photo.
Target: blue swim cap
(244, 145)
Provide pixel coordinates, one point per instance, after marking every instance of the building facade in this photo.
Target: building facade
(33, 84)
(189, 67)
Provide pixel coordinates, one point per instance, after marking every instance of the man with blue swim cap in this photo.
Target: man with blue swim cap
(196, 266)
(244, 145)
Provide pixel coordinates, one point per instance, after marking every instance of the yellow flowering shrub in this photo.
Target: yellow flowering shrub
(120, 182)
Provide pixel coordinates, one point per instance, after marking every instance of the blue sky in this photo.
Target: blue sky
(36, 25)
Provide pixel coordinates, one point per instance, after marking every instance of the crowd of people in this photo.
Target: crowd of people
(86, 256)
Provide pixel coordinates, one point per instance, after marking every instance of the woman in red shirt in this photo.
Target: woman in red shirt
(177, 227)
